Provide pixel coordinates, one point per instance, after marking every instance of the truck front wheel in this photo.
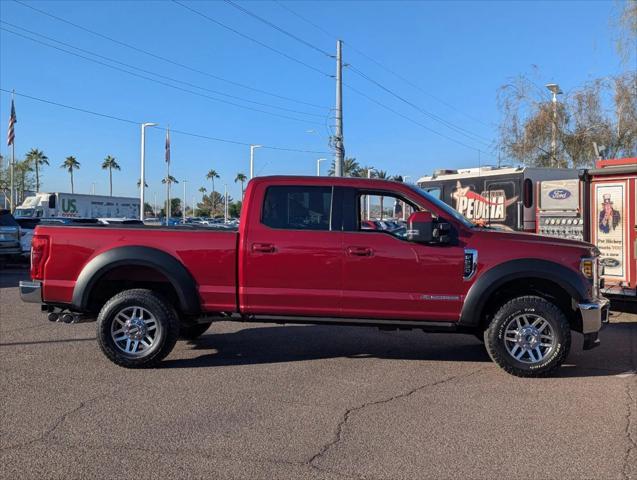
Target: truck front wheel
(137, 328)
(528, 337)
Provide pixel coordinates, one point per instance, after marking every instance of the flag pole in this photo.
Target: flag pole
(13, 195)
(167, 175)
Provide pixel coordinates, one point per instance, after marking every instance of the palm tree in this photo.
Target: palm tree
(211, 175)
(37, 158)
(351, 168)
(240, 178)
(169, 179)
(382, 174)
(22, 169)
(70, 164)
(139, 183)
(203, 190)
(110, 163)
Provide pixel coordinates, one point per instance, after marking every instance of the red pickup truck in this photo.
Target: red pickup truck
(300, 255)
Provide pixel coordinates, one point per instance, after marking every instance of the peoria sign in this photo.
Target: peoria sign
(488, 205)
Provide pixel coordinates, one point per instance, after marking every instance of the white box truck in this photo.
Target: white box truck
(76, 205)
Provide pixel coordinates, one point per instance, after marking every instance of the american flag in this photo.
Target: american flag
(167, 146)
(12, 122)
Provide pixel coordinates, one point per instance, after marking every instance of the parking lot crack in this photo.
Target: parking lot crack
(630, 431)
(345, 418)
(58, 422)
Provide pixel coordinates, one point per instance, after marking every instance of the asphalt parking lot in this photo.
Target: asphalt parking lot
(264, 401)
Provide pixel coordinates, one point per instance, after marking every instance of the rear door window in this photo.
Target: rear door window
(297, 208)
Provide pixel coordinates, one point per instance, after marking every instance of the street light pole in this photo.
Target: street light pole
(183, 208)
(142, 185)
(555, 90)
(318, 166)
(225, 208)
(252, 147)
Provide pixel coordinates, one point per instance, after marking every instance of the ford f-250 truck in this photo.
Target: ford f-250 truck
(301, 256)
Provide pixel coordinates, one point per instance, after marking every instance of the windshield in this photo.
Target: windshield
(24, 212)
(443, 206)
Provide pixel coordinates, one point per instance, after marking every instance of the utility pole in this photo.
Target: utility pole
(339, 154)
(555, 90)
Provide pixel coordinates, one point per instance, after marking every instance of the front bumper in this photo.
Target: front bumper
(31, 292)
(594, 313)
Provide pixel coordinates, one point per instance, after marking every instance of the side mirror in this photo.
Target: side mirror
(422, 228)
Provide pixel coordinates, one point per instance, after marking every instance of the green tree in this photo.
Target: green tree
(110, 164)
(70, 164)
(37, 159)
(240, 178)
(22, 180)
(351, 168)
(211, 175)
(139, 183)
(234, 209)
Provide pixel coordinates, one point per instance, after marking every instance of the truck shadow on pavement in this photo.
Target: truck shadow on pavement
(305, 343)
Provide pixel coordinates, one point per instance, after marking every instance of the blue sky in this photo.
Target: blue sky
(457, 53)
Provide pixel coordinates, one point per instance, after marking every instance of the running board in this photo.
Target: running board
(367, 322)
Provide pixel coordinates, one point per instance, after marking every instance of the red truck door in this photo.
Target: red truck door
(385, 276)
(291, 256)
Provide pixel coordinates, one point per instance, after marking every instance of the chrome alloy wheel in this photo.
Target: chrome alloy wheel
(135, 330)
(529, 338)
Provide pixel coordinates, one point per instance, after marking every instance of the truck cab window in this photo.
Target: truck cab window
(297, 208)
(383, 214)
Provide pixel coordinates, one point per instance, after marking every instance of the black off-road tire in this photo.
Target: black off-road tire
(163, 312)
(495, 344)
(192, 331)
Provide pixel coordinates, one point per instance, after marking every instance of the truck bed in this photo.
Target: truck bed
(209, 255)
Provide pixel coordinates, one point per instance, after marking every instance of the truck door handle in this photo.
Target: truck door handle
(263, 247)
(360, 251)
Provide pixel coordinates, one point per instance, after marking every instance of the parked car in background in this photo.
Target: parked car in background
(9, 236)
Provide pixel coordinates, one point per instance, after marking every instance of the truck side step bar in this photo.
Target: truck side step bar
(371, 322)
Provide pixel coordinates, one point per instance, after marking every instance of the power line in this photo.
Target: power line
(379, 64)
(165, 59)
(415, 122)
(159, 81)
(276, 27)
(172, 130)
(435, 117)
(462, 131)
(160, 75)
(252, 39)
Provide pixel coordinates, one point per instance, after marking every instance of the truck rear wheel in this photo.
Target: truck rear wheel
(528, 337)
(137, 328)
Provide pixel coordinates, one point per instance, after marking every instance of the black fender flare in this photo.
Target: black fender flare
(169, 266)
(486, 284)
